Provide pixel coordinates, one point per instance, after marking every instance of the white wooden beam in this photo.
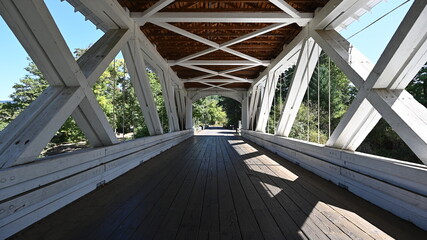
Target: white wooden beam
(32, 21)
(38, 123)
(187, 34)
(180, 99)
(214, 73)
(138, 73)
(195, 55)
(110, 13)
(168, 96)
(256, 33)
(217, 80)
(113, 15)
(253, 106)
(245, 113)
(234, 41)
(156, 7)
(220, 62)
(354, 64)
(405, 52)
(97, 58)
(286, 8)
(188, 114)
(228, 17)
(335, 12)
(307, 60)
(406, 116)
(207, 42)
(286, 57)
(267, 99)
(217, 86)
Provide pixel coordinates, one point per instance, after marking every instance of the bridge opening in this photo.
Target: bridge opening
(217, 111)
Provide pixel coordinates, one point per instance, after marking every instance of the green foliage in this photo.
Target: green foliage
(381, 141)
(25, 92)
(156, 88)
(384, 141)
(341, 91)
(207, 111)
(233, 110)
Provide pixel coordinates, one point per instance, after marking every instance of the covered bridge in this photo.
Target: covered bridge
(215, 184)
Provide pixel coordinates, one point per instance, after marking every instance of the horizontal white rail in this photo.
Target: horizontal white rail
(32, 191)
(396, 186)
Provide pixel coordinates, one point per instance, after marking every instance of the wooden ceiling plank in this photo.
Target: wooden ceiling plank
(285, 7)
(156, 7)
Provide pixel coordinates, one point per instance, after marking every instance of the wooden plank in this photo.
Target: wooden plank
(298, 224)
(43, 172)
(347, 208)
(59, 192)
(332, 196)
(171, 223)
(190, 222)
(151, 176)
(141, 208)
(267, 224)
(229, 224)
(150, 225)
(306, 203)
(209, 223)
(249, 226)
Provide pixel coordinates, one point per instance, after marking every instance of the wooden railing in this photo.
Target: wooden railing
(396, 186)
(32, 191)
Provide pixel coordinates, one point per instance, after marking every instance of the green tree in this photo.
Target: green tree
(207, 111)
(233, 110)
(25, 92)
(311, 111)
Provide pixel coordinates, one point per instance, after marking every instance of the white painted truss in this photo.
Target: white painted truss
(381, 95)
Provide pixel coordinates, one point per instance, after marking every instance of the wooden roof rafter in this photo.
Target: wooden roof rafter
(247, 34)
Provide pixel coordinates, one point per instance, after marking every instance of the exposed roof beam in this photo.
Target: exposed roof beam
(222, 73)
(228, 17)
(156, 7)
(253, 34)
(192, 56)
(224, 46)
(206, 41)
(216, 73)
(220, 62)
(219, 80)
(218, 86)
(286, 8)
(187, 34)
(336, 12)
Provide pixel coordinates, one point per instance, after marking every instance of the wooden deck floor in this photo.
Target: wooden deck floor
(220, 187)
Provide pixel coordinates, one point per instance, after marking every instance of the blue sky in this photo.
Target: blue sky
(79, 33)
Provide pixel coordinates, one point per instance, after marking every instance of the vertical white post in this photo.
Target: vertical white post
(307, 61)
(188, 114)
(267, 100)
(138, 73)
(245, 113)
(168, 96)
